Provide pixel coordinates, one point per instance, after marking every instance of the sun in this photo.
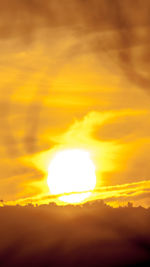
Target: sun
(71, 174)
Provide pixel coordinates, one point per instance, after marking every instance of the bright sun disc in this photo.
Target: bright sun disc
(71, 171)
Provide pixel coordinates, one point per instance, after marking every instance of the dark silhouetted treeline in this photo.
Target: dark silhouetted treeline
(90, 235)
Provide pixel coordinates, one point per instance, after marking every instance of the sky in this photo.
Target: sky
(75, 74)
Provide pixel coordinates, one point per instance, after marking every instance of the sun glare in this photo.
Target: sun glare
(71, 174)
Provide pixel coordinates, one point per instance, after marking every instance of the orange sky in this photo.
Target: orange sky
(75, 74)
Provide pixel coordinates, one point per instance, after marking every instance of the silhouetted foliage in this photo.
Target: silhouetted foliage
(93, 234)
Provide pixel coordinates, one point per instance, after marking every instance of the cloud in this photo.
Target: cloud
(104, 27)
(114, 195)
(88, 27)
(94, 119)
(118, 159)
(123, 127)
(136, 192)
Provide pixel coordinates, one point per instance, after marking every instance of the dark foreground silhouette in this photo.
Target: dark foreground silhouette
(92, 235)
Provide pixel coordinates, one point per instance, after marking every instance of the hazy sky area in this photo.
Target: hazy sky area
(75, 73)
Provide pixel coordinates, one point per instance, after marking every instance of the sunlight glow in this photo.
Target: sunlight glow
(71, 171)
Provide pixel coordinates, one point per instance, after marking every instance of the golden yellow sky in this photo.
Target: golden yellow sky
(75, 74)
